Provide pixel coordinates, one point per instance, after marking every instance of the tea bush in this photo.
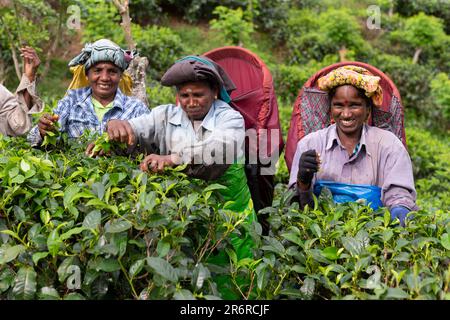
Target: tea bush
(430, 155)
(349, 251)
(73, 227)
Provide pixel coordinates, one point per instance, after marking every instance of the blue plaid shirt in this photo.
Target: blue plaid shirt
(76, 113)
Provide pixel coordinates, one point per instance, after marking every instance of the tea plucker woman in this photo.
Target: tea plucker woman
(94, 96)
(16, 109)
(350, 155)
(203, 131)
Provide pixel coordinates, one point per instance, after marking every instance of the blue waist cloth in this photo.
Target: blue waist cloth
(346, 192)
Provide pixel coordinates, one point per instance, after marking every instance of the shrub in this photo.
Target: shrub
(158, 94)
(422, 32)
(100, 20)
(160, 45)
(271, 18)
(289, 79)
(412, 80)
(429, 156)
(232, 25)
(73, 227)
(440, 93)
(349, 251)
(313, 35)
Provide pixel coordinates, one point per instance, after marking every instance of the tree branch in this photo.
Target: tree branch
(138, 66)
(126, 22)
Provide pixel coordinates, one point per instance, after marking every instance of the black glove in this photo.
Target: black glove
(307, 166)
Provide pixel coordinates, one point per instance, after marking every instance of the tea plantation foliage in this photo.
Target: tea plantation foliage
(73, 227)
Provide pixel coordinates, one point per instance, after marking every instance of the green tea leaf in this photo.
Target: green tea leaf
(214, 186)
(48, 293)
(396, 293)
(316, 230)
(163, 268)
(54, 242)
(183, 294)
(6, 279)
(330, 253)
(293, 237)
(69, 194)
(19, 179)
(273, 245)
(199, 275)
(445, 240)
(108, 265)
(117, 226)
(308, 287)
(63, 269)
(136, 267)
(45, 216)
(298, 268)
(386, 217)
(39, 255)
(351, 245)
(25, 284)
(74, 296)
(162, 248)
(8, 254)
(92, 220)
(24, 166)
(71, 232)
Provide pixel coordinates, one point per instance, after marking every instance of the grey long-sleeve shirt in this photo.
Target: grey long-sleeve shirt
(15, 116)
(381, 160)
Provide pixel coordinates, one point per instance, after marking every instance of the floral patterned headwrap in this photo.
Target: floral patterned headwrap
(356, 76)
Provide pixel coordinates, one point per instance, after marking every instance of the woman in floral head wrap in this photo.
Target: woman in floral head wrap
(97, 98)
(352, 159)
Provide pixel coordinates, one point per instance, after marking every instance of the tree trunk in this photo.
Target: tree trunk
(138, 66)
(137, 71)
(416, 55)
(391, 9)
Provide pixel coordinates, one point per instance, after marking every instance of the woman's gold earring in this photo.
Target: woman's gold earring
(215, 97)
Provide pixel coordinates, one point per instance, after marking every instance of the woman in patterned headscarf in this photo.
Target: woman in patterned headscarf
(352, 159)
(94, 97)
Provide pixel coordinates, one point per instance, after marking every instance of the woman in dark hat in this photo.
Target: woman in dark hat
(202, 131)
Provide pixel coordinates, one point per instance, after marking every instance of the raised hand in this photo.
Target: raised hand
(31, 62)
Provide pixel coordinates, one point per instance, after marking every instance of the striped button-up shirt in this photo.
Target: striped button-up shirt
(76, 113)
(381, 160)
